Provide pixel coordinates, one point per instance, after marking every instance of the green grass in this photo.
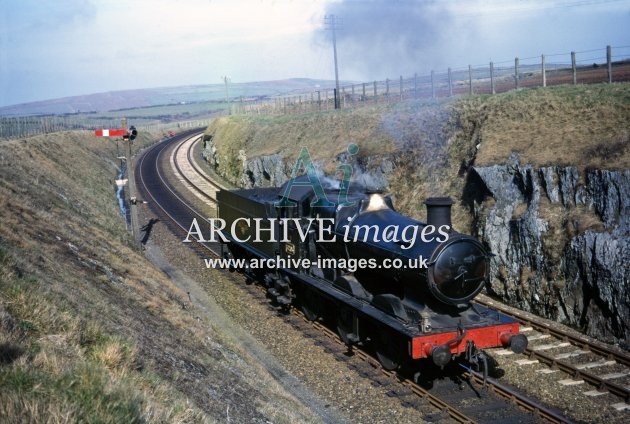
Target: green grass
(61, 230)
(91, 331)
(56, 368)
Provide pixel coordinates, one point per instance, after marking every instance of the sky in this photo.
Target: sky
(59, 48)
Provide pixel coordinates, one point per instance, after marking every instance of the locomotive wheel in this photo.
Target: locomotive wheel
(309, 312)
(309, 305)
(345, 326)
(386, 351)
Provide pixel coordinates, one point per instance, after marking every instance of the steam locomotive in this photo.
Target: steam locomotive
(344, 255)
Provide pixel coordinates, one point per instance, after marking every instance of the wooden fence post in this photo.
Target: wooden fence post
(450, 83)
(544, 74)
(470, 90)
(492, 90)
(401, 88)
(609, 63)
(363, 98)
(573, 68)
(375, 93)
(387, 89)
(516, 81)
(432, 84)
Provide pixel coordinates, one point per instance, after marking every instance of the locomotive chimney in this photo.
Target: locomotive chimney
(439, 211)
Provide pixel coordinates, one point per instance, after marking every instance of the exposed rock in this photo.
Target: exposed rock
(561, 236)
(579, 278)
(273, 170)
(264, 171)
(596, 263)
(209, 151)
(597, 296)
(372, 172)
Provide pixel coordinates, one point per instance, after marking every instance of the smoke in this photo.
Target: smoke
(370, 180)
(366, 180)
(385, 38)
(328, 182)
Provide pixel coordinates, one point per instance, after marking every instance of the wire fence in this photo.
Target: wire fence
(611, 64)
(579, 67)
(28, 126)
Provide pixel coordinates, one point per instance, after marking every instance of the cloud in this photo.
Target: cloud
(37, 15)
(380, 39)
(66, 47)
(381, 36)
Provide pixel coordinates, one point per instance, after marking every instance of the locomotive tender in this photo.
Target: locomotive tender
(402, 286)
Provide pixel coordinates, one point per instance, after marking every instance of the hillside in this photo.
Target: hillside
(160, 96)
(90, 330)
(586, 125)
(542, 176)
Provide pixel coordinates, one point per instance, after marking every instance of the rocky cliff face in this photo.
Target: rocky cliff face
(561, 240)
(274, 170)
(561, 236)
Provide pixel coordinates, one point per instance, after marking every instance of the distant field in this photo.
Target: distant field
(149, 109)
(150, 97)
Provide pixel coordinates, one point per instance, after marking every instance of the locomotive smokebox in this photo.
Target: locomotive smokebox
(439, 211)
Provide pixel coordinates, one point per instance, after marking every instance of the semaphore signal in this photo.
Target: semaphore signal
(115, 132)
(126, 134)
(129, 135)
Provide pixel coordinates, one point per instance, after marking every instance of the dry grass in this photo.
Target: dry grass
(588, 126)
(90, 330)
(63, 246)
(326, 135)
(59, 368)
(433, 143)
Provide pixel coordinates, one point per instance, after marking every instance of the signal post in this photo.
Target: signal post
(129, 135)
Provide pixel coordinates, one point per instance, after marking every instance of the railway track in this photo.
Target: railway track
(165, 202)
(189, 173)
(605, 368)
(479, 403)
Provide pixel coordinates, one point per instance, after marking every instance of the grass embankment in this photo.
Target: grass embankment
(432, 143)
(64, 256)
(325, 135)
(90, 331)
(584, 126)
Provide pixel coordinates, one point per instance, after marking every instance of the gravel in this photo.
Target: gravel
(312, 375)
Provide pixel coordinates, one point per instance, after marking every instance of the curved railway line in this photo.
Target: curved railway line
(177, 213)
(190, 174)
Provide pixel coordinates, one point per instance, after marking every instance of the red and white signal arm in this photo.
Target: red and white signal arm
(115, 132)
(127, 134)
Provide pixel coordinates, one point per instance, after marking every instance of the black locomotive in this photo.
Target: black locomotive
(383, 279)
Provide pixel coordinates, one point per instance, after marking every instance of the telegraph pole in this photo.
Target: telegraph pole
(226, 80)
(330, 20)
